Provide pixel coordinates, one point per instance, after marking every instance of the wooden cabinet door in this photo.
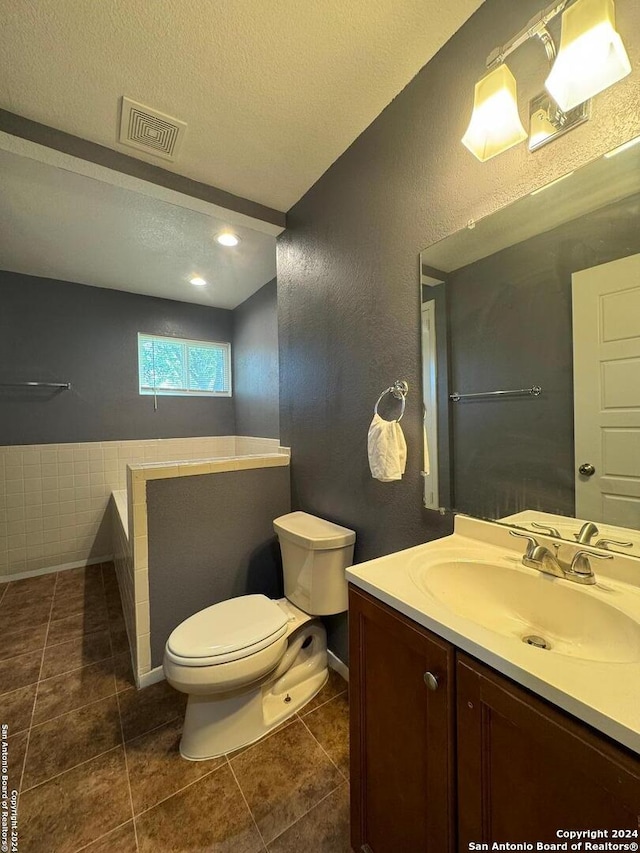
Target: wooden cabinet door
(526, 769)
(402, 733)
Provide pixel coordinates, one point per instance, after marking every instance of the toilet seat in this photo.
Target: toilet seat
(228, 631)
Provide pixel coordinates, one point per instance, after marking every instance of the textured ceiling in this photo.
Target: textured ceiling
(273, 91)
(62, 225)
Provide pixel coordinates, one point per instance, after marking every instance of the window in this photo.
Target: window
(183, 368)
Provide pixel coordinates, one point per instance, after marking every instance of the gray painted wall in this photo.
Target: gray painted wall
(211, 538)
(348, 302)
(511, 327)
(255, 364)
(61, 332)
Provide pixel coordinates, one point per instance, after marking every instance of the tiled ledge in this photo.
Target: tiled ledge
(53, 497)
(137, 477)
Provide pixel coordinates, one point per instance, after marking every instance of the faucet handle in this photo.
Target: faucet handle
(580, 562)
(532, 543)
(545, 528)
(605, 543)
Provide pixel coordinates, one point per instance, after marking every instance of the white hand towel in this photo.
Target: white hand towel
(387, 450)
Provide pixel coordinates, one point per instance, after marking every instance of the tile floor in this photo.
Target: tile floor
(97, 763)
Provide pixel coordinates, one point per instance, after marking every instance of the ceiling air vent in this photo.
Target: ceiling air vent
(150, 131)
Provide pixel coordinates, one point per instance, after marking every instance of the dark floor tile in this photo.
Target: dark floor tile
(17, 747)
(119, 639)
(146, 709)
(86, 579)
(114, 611)
(20, 671)
(329, 724)
(77, 807)
(124, 672)
(25, 611)
(83, 651)
(19, 641)
(325, 829)
(284, 776)
(69, 605)
(75, 626)
(64, 693)
(109, 577)
(156, 768)
(209, 815)
(42, 585)
(121, 840)
(16, 708)
(334, 686)
(67, 741)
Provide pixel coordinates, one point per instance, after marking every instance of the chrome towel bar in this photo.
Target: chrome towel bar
(535, 391)
(66, 386)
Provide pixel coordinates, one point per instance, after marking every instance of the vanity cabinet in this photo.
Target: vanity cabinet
(477, 759)
(402, 732)
(526, 770)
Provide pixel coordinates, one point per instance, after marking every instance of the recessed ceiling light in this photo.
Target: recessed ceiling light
(199, 282)
(228, 238)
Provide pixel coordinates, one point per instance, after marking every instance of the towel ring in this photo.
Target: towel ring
(399, 389)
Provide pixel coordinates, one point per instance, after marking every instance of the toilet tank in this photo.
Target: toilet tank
(315, 554)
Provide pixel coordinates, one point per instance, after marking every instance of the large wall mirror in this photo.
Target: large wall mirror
(531, 359)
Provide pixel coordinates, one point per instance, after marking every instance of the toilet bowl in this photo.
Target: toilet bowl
(249, 663)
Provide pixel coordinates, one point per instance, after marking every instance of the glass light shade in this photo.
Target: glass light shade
(591, 56)
(495, 124)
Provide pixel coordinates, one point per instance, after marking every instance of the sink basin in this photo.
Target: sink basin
(518, 603)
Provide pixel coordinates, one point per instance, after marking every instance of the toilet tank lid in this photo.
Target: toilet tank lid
(230, 626)
(312, 532)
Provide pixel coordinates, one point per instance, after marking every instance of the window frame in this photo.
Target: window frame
(147, 391)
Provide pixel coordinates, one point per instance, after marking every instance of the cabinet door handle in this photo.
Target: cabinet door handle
(431, 681)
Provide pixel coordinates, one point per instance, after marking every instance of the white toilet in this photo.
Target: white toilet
(250, 662)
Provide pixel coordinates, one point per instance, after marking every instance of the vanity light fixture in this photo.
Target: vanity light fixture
(495, 124)
(199, 282)
(227, 238)
(591, 58)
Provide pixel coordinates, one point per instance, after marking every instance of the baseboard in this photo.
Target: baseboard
(49, 570)
(149, 678)
(335, 663)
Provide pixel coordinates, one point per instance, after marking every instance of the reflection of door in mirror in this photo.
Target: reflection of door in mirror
(429, 404)
(436, 466)
(606, 366)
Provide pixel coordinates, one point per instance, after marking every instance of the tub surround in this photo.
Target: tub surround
(54, 497)
(262, 477)
(601, 694)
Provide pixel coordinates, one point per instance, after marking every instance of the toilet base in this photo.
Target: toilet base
(219, 723)
(214, 726)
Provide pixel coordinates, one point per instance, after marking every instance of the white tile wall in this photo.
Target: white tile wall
(54, 497)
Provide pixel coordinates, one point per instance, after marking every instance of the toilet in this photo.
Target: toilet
(249, 663)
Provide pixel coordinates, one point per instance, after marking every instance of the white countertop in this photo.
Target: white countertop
(603, 694)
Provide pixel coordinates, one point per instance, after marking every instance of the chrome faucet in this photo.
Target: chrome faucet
(587, 532)
(541, 558)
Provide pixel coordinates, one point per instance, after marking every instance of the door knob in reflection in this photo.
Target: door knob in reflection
(587, 469)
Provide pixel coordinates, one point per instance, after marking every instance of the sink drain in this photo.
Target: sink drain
(538, 642)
